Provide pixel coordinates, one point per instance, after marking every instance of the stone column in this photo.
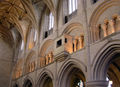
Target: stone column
(104, 27)
(117, 25)
(97, 33)
(75, 45)
(111, 28)
(81, 42)
(46, 59)
(97, 83)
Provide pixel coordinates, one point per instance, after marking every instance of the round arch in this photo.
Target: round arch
(71, 27)
(44, 76)
(30, 62)
(30, 55)
(97, 13)
(70, 68)
(44, 47)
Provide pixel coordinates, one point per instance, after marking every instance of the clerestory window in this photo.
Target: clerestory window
(72, 6)
(51, 21)
(22, 45)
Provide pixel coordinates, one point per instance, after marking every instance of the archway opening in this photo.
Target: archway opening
(48, 82)
(113, 71)
(28, 84)
(15, 85)
(76, 78)
(73, 77)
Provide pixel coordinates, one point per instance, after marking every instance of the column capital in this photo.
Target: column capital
(97, 83)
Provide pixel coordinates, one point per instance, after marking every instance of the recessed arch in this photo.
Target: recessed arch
(105, 59)
(76, 32)
(28, 82)
(66, 72)
(18, 69)
(44, 47)
(72, 26)
(45, 76)
(16, 85)
(30, 62)
(96, 15)
(30, 55)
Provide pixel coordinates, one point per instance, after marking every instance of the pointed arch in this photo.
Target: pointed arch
(72, 26)
(103, 58)
(43, 76)
(67, 67)
(28, 79)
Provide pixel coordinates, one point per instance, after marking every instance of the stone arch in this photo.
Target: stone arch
(30, 62)
(15, 84)
(30, 55)
(18, 69)
(71, 27)
(43, 76)
(75, 32)
(44, 47)
(27, 80)
(69, 66)
(30, 35)
(50, 5)
(97, 13)
(103, 59)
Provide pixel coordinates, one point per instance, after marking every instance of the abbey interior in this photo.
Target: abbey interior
(59, 43)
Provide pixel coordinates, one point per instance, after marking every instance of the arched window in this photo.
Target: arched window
(72, 6)
(51, 21)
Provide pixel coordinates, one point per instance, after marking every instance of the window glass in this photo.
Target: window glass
(22, 45)
(109, 82)
(72, 6)
(35, 36)
(51, 21)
